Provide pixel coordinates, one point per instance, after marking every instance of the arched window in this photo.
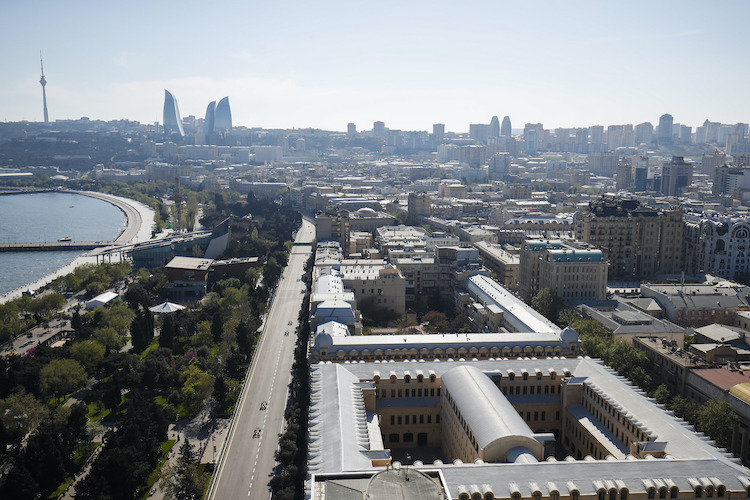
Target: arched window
(673, 491)
(651, 492)
(698, 491)
(663, 492)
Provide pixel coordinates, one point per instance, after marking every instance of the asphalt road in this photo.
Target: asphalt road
(247, 460)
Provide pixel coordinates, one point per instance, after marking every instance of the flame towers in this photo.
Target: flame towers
(223, 120)
(172, 120)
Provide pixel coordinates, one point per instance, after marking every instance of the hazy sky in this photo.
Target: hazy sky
(408, 63)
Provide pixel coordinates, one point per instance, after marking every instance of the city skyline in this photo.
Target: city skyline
(323, 66)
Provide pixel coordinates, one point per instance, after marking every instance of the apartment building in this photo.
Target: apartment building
(639, 241)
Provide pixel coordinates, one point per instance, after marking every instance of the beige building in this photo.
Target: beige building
(499, 429)
(375, 282)
(574, 274)
(333, 225)
(638, 241)
(505, 264)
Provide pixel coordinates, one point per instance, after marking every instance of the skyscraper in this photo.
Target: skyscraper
(208, 123)
(665, 128)
(172, 119)
(43, 81)
(495, 127)
(675, 175)
(505, 129)
(223, 117)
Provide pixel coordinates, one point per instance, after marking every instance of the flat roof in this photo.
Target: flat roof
(190, 263)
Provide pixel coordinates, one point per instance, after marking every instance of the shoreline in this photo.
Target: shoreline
(136, 230)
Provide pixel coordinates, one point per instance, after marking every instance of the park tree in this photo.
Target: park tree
(89, 353)
(141, 331)
(184, 481)
(137, 297)
(167, 332)
(197, 385)
(21, 413)
(62, 376)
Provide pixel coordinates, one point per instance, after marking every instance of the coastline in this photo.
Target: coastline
(138, 226)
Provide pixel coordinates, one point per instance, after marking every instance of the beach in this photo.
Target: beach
(138, 228)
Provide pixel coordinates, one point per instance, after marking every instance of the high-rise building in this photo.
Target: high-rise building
(172, 120)
(603, 163)
(711, 161)
(505, 129)
(644, 133)
(208, 123)
(686, 134)
(639, 241)
(495, 127)
(624, 176)
(43, 81)
(351, 130)
(223, 120)
(438, 132)
(378, 129)
(676, 175)
(665, 129)
(479, 132)
(533, 135)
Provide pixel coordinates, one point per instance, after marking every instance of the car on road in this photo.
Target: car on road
(264, 405)
(256, 432)
(290, 322)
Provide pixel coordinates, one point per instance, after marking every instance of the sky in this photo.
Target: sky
(297, 64)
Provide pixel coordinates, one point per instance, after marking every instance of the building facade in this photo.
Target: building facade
(638, 241)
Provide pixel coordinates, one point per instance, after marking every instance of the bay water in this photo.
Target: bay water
(49, 217)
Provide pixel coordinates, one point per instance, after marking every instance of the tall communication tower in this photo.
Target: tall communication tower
(43, 81)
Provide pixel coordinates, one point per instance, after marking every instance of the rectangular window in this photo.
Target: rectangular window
(393, 419)
(399, 420)
(429, 418)
(413, 419)
(421, 418)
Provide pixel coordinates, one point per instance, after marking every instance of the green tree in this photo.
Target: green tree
(184, 481)
(662, 395)
(197, 385)
(436, 322)
(62, 376)
(547, 303)
(718, 420)
(167, 332)
(684, 409)
(21, 413)
(89, 353)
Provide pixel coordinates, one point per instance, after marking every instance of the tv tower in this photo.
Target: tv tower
(43, 81)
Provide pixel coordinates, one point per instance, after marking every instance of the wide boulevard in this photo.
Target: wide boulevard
(247, 460)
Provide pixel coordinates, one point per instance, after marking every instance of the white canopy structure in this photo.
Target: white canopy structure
(166, 308)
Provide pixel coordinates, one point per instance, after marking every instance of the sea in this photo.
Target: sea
(48, 217)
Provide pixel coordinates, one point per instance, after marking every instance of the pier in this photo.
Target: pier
(55, 246)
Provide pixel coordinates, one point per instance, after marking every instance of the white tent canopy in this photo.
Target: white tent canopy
(166, 307)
